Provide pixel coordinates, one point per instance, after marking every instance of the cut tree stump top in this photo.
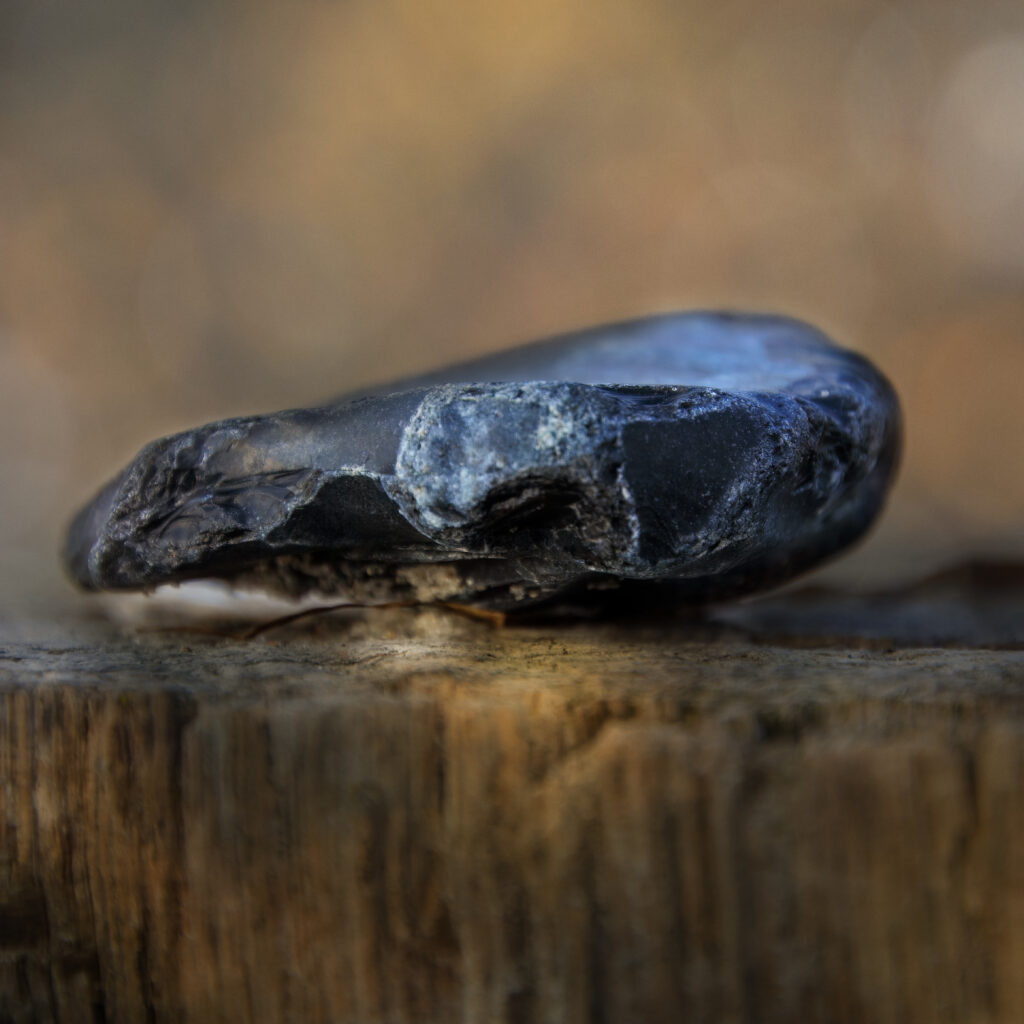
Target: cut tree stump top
(807, 808)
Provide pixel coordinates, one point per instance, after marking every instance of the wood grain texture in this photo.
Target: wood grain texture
(404, 817)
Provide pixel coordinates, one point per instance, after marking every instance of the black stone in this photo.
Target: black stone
(695, 456)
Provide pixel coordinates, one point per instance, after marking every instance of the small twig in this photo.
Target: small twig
(494, 619)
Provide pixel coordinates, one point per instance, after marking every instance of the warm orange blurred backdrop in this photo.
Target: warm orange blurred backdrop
(210, 208)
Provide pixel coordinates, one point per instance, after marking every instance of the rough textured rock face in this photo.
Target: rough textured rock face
(690, 456)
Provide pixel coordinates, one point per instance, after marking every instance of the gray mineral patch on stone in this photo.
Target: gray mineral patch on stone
(688, 457)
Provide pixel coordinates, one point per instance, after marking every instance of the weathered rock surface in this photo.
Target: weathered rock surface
(691, 456)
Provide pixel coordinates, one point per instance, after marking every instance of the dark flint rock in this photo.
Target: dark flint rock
(693, 456)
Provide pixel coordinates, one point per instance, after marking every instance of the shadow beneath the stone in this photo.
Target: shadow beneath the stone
(971, 605)
(974, 604)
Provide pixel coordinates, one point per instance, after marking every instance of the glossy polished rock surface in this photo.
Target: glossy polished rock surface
(690, 456)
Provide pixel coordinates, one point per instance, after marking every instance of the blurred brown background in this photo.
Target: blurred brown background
(210, 208)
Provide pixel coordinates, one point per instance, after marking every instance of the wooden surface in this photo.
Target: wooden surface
(403, 816)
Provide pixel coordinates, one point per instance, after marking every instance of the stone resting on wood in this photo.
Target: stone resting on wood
(794, 809)
(692, 456)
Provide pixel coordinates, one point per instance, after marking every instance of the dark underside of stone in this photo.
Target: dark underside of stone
(689, 457)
